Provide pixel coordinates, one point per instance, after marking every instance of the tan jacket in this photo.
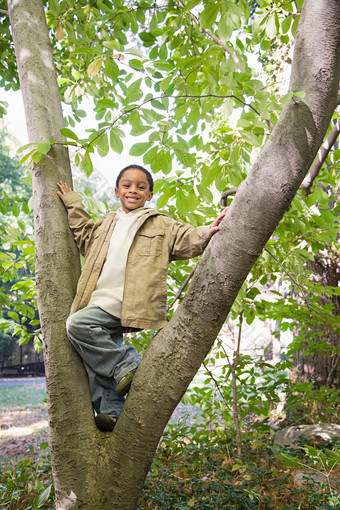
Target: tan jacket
(158, 240)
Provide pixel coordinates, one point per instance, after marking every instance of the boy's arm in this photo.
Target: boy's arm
(190, 242)
(80, 221)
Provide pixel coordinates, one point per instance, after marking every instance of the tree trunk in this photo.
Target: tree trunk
(322, 368)
(93, 470)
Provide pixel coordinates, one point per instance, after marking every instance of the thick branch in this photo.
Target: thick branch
(261, 201)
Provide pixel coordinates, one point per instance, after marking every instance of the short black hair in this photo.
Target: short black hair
(138, 167)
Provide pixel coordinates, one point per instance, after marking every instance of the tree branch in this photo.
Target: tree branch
(181, 96)
(182, 287)
(320, 159)
(216, 40)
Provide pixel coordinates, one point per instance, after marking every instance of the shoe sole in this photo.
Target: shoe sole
(124, 384)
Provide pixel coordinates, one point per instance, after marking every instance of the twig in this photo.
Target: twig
(182, 287)
(233, 367)
(217, 384)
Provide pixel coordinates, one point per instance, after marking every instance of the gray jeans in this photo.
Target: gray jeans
(98, 338)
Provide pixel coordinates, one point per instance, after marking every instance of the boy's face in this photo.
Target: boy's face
(133, 190)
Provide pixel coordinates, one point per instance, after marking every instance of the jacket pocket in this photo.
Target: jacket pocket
(150, 242)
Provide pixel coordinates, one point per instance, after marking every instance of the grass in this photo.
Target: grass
(28, 395)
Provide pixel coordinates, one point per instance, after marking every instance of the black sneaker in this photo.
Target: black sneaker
(104, 422)
(124, 384)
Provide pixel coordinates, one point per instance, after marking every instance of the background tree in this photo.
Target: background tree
(17, 293)
(189, 74)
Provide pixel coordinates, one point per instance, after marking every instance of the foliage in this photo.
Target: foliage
(260, 388)
(317, 461)
(209, 475)
(17, 291)
(27, 484)
(308, 404)
(170, 73)
(204, 475)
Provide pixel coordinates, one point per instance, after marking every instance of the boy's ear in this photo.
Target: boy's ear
(117, 192)
(150, 195)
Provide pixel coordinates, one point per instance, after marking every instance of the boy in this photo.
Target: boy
(123, 283)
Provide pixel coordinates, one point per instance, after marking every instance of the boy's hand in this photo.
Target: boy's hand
(63, 188)
(214, 227)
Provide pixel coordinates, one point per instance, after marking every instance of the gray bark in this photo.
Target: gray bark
(93, 470)
(56, 256)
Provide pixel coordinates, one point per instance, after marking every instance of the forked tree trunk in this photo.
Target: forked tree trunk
(93, 470)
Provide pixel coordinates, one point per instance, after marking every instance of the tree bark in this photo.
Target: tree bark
(56, 256)
(93, 470)
(322, 368)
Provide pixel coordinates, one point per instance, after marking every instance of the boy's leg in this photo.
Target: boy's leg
(103, 397)
(98, 339)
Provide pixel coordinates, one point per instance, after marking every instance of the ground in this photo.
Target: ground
(20, 425)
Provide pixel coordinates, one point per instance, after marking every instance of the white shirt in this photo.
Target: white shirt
(108, 293)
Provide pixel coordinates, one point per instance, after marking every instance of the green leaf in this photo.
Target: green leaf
(15, 210)
(300, 94)
(111, 69)
(140, 148)
(205, 193)
(43, 147)
(139, 129)
(288, 459)
(163, 199)
(116, 142)
(40, 500)
(68, 133)
(36, 156)
(54, 7)
(112, 45)
(271, 29)
(182, 201)
(103, 145)
(24, 147)
(183, 156)
(93, 68)
(225, 27)
(287, 97)
(14, 316)
(150, 155)
(22, 225)
(136, 64)
(209, 14)
(164, 161)
(84, 49)
(86, 164)
(285, 25)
